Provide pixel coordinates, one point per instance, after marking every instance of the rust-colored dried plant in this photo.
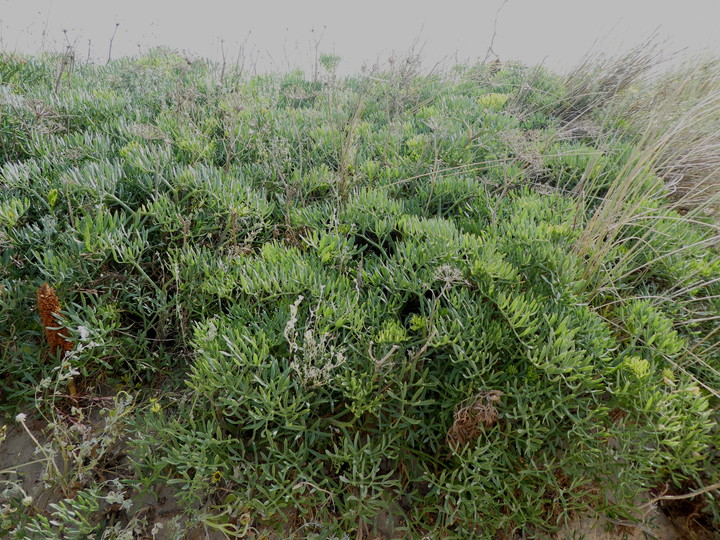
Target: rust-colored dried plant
(49, 308)
(469, 418)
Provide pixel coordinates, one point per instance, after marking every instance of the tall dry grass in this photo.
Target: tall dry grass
(672, 117)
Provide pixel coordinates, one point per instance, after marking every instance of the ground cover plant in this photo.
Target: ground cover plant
(471, 303)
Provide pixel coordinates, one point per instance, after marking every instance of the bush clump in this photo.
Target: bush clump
(412, 305)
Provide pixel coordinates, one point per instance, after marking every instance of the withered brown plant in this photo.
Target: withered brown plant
(468, 419)
(49, 308)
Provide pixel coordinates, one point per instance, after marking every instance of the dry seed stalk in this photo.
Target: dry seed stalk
(49, 308)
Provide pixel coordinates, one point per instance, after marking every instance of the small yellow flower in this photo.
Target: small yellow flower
(155, 407)
(216, 477)
(637, 366)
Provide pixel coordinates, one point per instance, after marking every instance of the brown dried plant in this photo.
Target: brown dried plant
(469, 419)
(49, 308)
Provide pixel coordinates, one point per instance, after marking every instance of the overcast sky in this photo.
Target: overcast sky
(282, 33)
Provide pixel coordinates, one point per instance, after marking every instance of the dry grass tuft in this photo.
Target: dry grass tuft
(675, 120)
(470, 419)
(598, 80)
(684, 106)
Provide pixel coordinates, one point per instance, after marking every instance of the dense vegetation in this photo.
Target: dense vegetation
(464, 304)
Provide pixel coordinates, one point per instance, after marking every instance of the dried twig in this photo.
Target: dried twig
(111, 43)
(492, 39)
(684, 496)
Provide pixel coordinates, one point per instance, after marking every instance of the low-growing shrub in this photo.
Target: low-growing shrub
(403, 304)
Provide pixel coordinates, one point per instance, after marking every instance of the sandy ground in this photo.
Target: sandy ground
(17, 452)
(593, 529)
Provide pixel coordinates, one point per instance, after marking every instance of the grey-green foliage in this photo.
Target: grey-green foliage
(71, 519)
(345, 377)
(327, 274)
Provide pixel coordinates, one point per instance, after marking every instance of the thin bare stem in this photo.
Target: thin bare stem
(680, 497)
(112, 38)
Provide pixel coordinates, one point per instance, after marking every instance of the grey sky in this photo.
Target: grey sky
(281, 33)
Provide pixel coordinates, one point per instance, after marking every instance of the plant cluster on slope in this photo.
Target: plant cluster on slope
(446, 305)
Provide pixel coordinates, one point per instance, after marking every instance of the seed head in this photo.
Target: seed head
(49, 308)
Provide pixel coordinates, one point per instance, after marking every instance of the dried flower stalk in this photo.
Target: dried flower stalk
(49, 308)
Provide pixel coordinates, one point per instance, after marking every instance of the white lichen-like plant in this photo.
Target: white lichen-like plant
(315, 358)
